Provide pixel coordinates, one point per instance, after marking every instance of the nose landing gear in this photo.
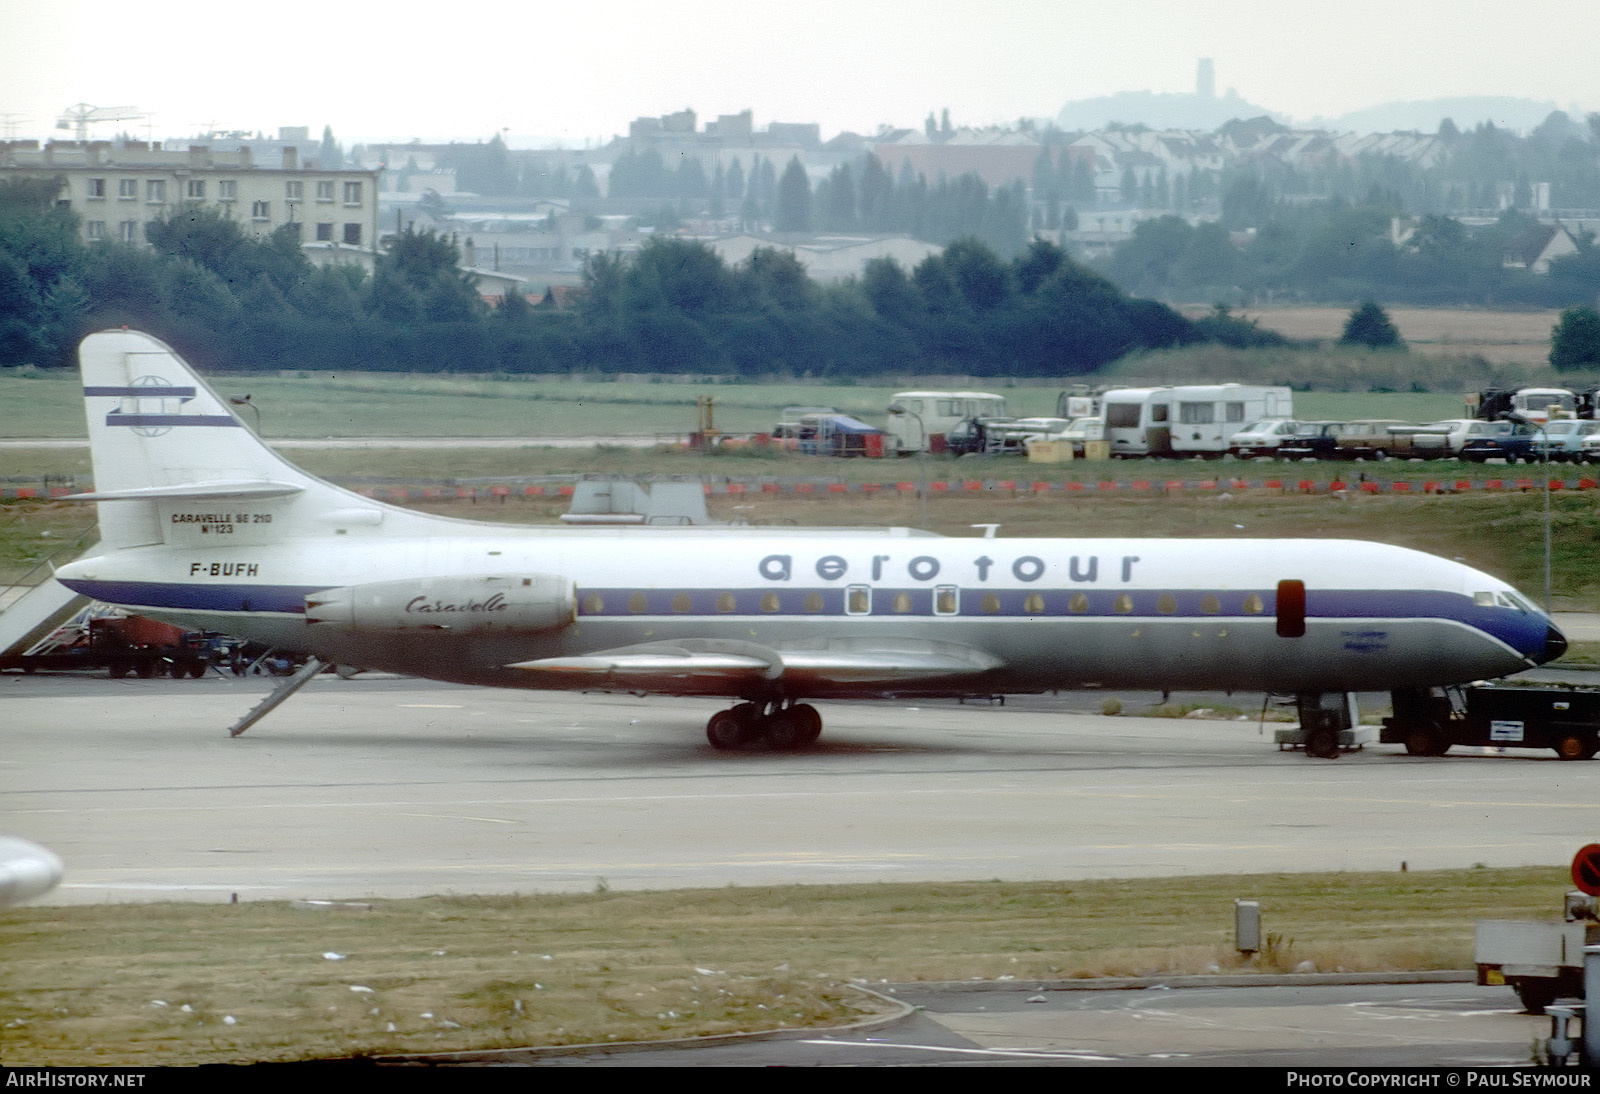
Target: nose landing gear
(781, 726)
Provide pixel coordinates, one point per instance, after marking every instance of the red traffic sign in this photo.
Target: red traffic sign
(1586, 869)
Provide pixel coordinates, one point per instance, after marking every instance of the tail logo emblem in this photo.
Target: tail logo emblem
(152, 405)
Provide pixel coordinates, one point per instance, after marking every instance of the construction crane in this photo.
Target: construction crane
(80, 116)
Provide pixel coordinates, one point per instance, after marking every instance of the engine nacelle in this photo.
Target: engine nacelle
(487, 604)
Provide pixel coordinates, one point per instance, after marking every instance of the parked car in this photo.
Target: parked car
(1079, 431)
(1374, 439)
(1012, 437)
(1562, 440)
(1458, 431)
(1438, 440)
(1590, 451)
(1261, 438)
(1509, 441)
(1311, 441)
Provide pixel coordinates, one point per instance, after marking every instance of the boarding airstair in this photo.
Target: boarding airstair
(35, 608)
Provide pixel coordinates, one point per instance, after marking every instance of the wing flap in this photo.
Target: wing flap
(832, 662)
(689, 659)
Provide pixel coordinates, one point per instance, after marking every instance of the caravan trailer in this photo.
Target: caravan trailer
(1190, 420)
(931, 415)
(1206, 416)
(1137, 421)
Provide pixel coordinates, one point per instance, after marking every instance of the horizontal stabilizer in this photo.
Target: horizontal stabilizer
(193, 491)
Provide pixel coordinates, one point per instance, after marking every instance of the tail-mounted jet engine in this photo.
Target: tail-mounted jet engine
(491, 604)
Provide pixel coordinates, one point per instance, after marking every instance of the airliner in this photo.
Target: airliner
(205, 526)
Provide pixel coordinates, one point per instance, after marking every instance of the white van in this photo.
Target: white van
(930, 415)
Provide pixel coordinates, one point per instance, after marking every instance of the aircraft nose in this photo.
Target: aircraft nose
(1555, 644)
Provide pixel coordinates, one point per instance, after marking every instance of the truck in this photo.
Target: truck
(1562, 717)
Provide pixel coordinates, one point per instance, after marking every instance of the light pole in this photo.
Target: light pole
(922, 456)
(244, 400)
(1544, 462)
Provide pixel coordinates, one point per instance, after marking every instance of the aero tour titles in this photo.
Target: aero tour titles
(1024, 568)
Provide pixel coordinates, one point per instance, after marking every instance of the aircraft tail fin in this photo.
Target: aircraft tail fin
(173, 460)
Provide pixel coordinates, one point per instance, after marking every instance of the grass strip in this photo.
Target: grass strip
(186, 983)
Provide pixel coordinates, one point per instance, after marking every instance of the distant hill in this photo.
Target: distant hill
(1521, 115)
(1186, 110)
(1161, 110)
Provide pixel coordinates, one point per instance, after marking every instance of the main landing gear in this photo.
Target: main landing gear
(782, 727)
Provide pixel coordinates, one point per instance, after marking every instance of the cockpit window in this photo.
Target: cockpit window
(1483, 600)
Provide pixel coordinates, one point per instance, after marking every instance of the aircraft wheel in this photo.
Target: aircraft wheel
(1322, 743)
(145, 668)
(118, 668)
(784, 731)
(197, 669)
(177, 670)
(1575, 746)
(810, 720)
(734, 728)
(1426, 741)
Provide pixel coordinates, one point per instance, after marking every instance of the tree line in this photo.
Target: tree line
(1264, 249)
(227, 300)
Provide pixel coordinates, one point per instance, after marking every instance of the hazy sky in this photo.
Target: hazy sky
(583, 70)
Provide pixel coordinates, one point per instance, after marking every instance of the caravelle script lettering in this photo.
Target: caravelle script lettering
(496, 603)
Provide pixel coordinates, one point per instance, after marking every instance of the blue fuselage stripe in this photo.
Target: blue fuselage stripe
(1520, 630)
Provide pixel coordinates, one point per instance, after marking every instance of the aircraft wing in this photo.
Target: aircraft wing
(840, 661)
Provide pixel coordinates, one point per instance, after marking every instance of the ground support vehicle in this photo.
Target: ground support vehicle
(1543, 962)
(1562, 717)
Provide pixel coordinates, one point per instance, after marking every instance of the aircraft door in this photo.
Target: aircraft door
(1291, 609)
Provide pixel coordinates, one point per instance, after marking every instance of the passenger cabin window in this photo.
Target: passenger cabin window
(1291, 609)
(857, 600)
(946, 601)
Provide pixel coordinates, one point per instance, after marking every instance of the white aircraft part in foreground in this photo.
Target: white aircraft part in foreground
(26, 870)
(205, 526)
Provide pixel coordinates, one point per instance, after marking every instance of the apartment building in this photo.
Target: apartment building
(116, 188)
